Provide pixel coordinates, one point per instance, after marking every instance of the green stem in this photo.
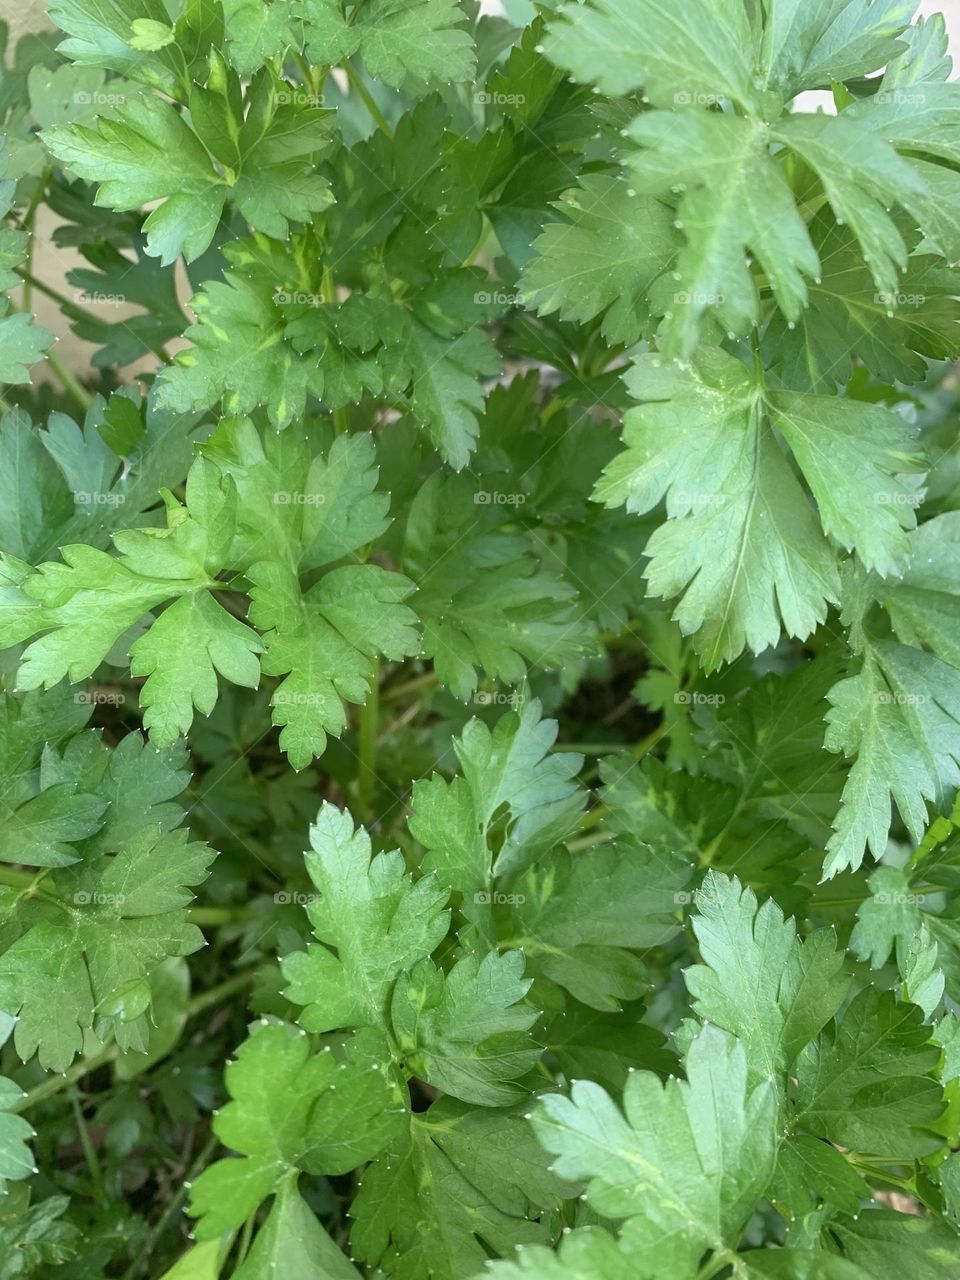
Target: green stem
(86, 1143)
(16, 879)
(53, 1085)
(65, 303)
(28, 220)
(368, 735)
(70, 384)
(397, 691)
(356, 82)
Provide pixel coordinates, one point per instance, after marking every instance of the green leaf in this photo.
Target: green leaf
(899, 714)
(684, 1162)
(465, 1030)
(848, 319)
(506, 771)
(883, 1243)
(463, 1182)
(759, 980)
(583, 1254)
(372, 922)
(16, 1158)
(604, 260)
(872, 1087)
(736, 200)
(127, 914)
(745, 516)
(808, 46)
(422, 41)
(102, 35)
(22, 343)
(293, 1244)
(286, 1111)
(182, 653)
(625, 44)
(577, 914)
(447, 396)
(147, 153)
(484, 598)
(325, 642)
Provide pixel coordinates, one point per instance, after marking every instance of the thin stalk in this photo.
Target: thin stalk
(414, 685)
(86, 1143)
(70, 384)
(28, 220)
(366, 97)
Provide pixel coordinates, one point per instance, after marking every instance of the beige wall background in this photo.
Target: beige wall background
(51, 264)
